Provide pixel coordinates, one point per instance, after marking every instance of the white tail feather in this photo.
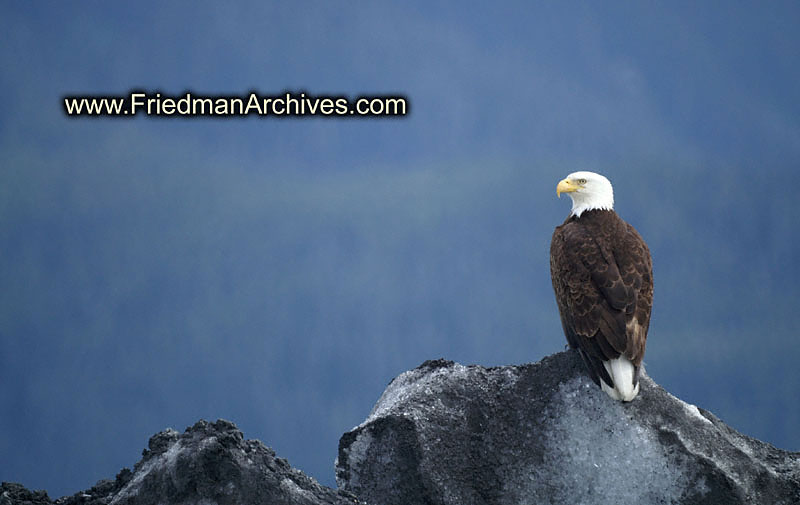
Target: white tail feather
(621, 371)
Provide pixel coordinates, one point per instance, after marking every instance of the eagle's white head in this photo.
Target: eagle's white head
(588, 190)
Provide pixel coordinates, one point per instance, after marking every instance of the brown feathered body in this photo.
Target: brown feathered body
(603, 280)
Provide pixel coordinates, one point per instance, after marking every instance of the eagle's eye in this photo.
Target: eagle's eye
(581, 181)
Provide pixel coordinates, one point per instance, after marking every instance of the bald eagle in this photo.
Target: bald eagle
(603, 280)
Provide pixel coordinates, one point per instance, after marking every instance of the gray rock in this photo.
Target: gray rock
(444, 433)
(15, 494)
(210, 463)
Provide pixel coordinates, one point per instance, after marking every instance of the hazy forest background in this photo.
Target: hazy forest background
(279, 273)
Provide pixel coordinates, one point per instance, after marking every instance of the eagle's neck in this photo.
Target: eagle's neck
(593, 216)
(596, 200)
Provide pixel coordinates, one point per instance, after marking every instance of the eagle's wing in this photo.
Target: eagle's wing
(636, 269)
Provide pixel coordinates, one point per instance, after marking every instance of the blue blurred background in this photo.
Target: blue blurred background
(279, 273)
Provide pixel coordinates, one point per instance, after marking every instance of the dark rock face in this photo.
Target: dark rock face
(444, 433)
(15, 494)
(210, 463)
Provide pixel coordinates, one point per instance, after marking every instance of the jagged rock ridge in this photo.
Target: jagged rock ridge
(210, 463)
(444, 433)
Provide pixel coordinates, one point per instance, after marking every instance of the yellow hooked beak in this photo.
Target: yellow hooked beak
(566, 186)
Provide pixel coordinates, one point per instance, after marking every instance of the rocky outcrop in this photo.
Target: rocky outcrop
(16, 494)
(444, 433)
(210, 463)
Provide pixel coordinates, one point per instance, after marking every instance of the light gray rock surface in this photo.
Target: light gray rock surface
(445, 433)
